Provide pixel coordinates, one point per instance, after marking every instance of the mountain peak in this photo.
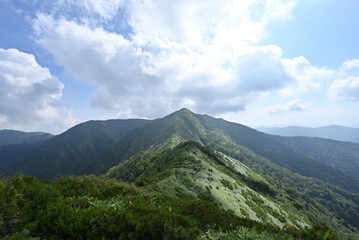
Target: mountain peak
(183, 111)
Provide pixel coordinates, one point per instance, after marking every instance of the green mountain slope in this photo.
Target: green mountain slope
(192, 171)
(301, 181)
(11, 137)
(277, 151)
(14, 144)
(296, 174)
(11, 152)
(225, 136)
(157, 135)
(343, 156)
(72, 151)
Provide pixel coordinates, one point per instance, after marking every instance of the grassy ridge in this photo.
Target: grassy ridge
(90, 207)
(193, 171)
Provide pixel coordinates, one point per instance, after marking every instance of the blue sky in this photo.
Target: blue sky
(259, 63)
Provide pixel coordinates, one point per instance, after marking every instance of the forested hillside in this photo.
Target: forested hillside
(12, 137)
(286, 182)
(74, 150)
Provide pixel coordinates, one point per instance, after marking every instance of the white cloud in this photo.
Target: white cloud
(345, 89)
(204, 55)
(197, 23)
(346, 83)
(29, 94)
(307, 76)
(296, 105)
(350, 64)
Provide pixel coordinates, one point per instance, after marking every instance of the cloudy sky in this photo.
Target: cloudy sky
(255, 62)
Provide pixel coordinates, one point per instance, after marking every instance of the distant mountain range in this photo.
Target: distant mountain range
(334, 132)
(284, 181)
(14, 144)
(72, 151)
(12, 137)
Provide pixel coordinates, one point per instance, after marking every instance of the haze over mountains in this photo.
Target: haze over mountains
(283, 181)
(334, 132)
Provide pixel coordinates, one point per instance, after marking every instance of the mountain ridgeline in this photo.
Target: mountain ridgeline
(192, 171)
(282, 181)
(72, 151)
(334, 132)
(12, 137)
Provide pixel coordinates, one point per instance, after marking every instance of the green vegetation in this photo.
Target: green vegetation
(244, 233)
(289, 156)
(193, 171)
(343, 156)
(90, 207)
(319, 200)
(12, 137)
(72, 151)
(286, 182)
(14, 144)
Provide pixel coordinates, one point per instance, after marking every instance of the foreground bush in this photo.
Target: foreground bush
(90, 207)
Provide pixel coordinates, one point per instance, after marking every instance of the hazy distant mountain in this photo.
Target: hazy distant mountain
(10, 137)
(334, 132)
(14, 144)
(72, 151)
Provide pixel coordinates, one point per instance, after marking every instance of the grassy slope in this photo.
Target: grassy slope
(192, 171)
(89, 207)
(322, 202)
(288, 156)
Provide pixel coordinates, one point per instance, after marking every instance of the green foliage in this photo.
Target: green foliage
(226, 184)
(243, 233)
(343, 156)
(287, 193)
(244, 212)
(206, 195)
(91, 207)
